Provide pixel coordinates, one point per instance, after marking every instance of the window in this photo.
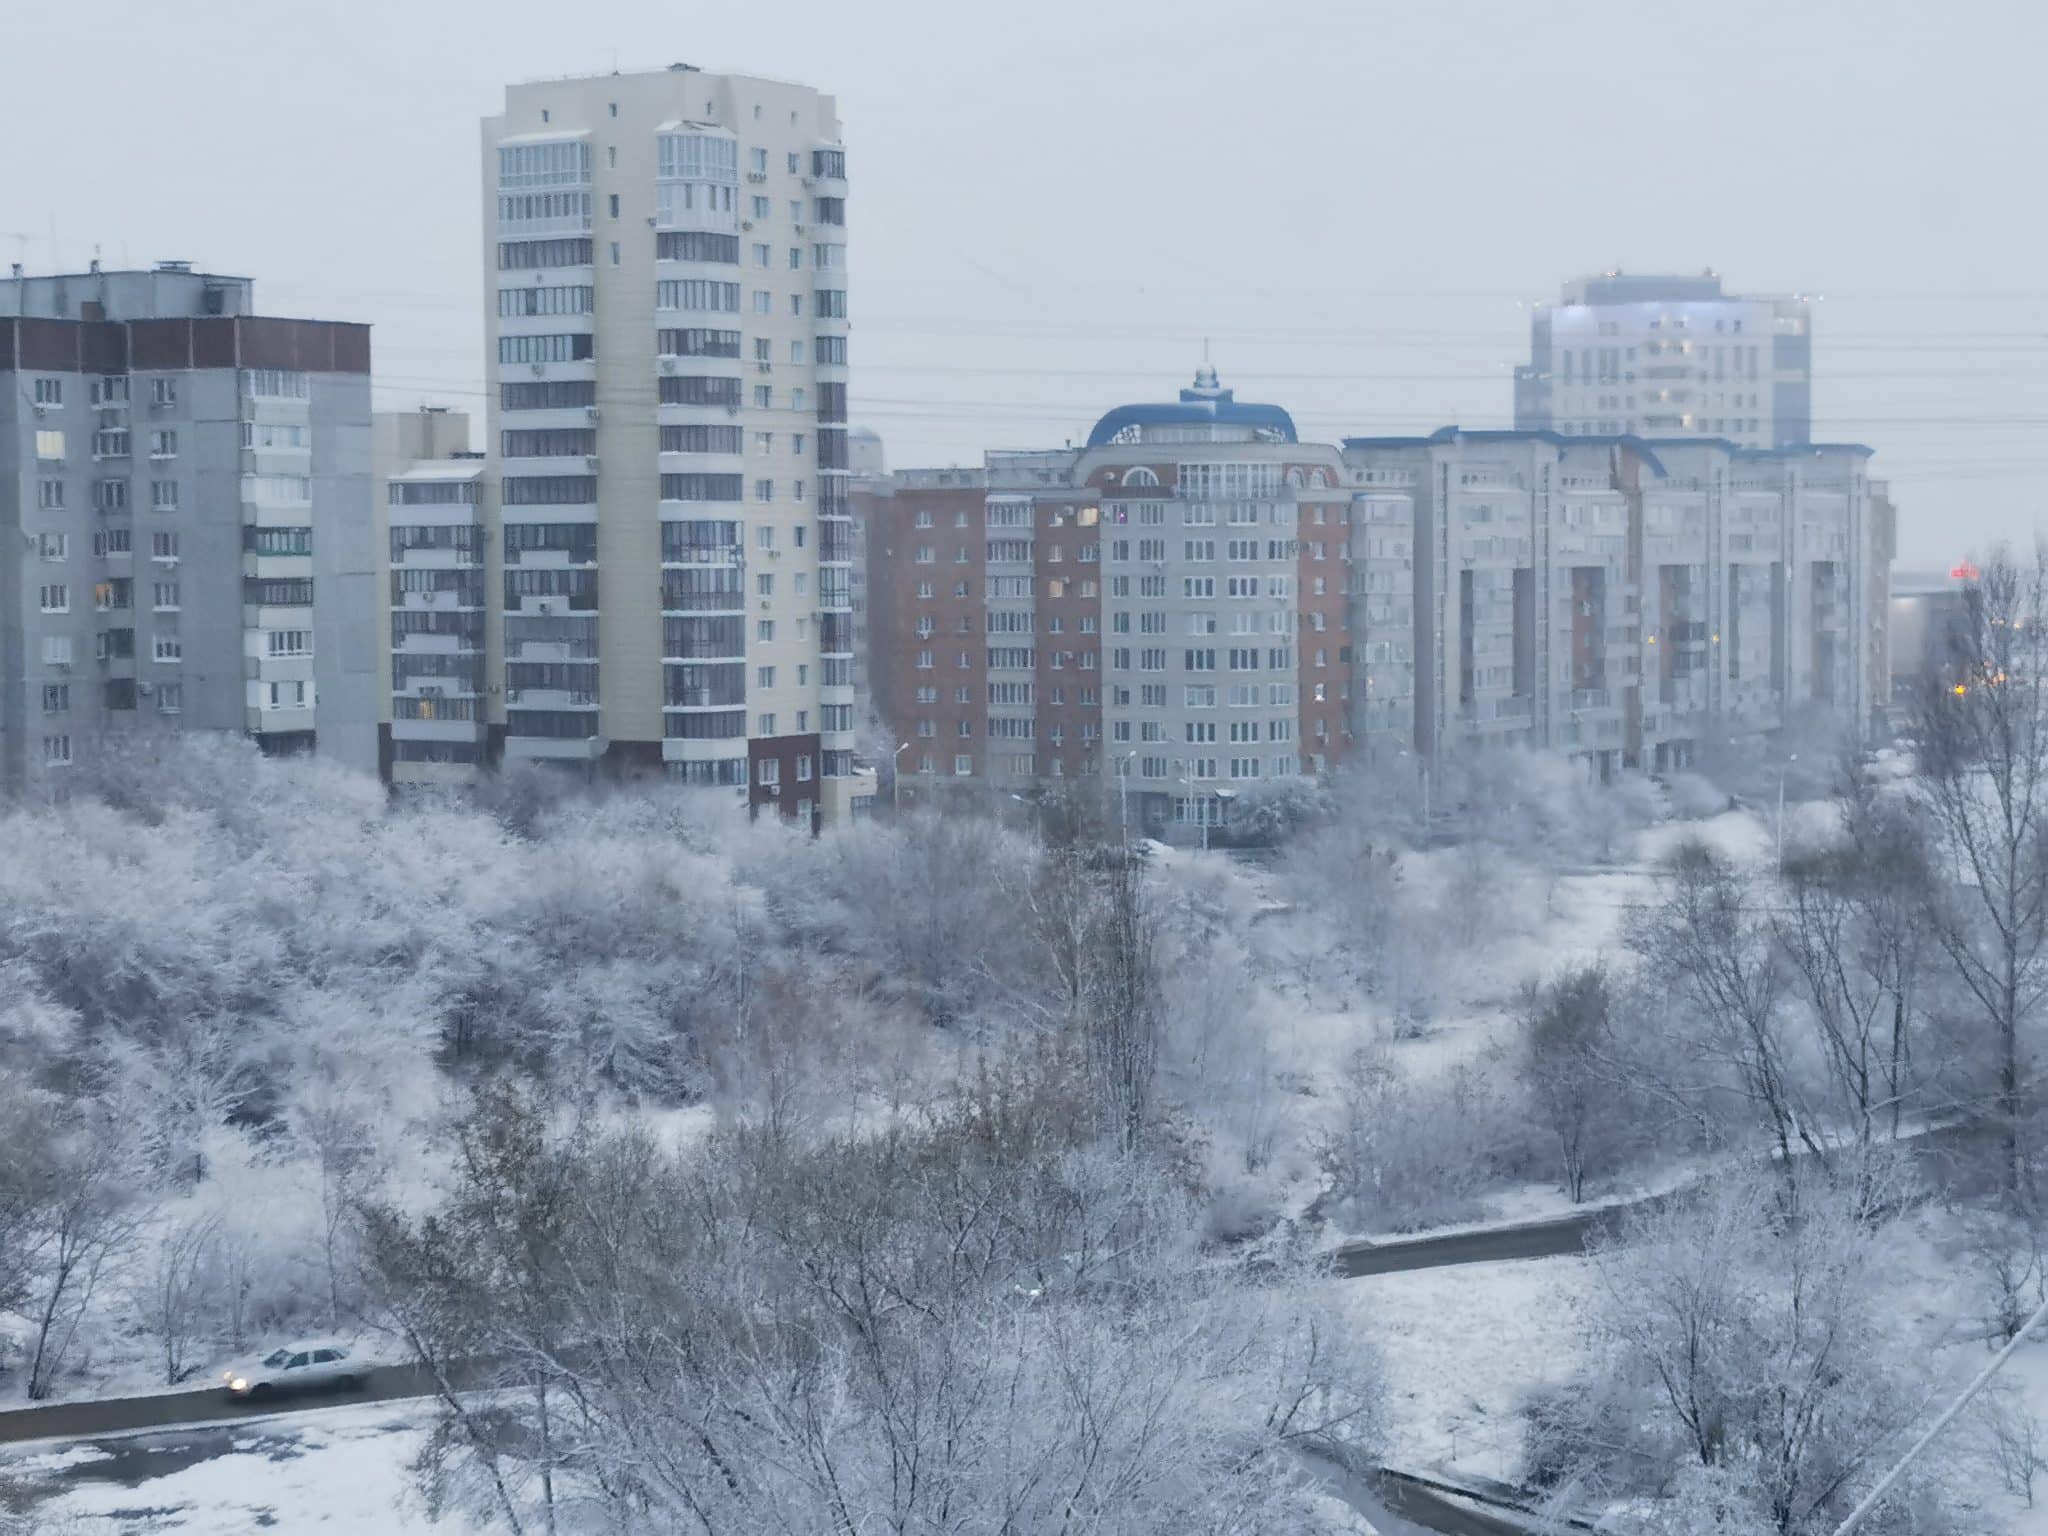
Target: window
(56, 751)
(56, 598)
(764, 630)
(570, 299)
(56, 698)
(49, 392)
(764, 396)
(163, 444)
(757, 160)
(764, 584)
(550, 347)
(288, 642)
(764, 490)
(170, 698)
(57, 650)
(163, 596)
(164, 546)
(763, 254)
(161, 391)
(168, 648)
(50, 444)
(53, 546)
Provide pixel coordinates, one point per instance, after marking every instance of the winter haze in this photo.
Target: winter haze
(1356, 203)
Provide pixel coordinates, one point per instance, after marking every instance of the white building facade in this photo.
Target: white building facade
(669, 555)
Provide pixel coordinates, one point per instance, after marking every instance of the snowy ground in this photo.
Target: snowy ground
(336, 1471)
(1462, 1348)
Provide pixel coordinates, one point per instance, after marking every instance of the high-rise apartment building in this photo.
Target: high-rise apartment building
(1171, 604)
(1627, 600)
(668, 559)
(1665, 357)
(432, 499)
(185, 489)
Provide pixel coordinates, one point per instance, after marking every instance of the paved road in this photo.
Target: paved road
(112, 1415)
(1935, 1150)
(1556, 1238)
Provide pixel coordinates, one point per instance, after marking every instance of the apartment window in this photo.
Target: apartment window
(162, 391)
(796, 258)
(49, 391)
(764, 584)
(764, 630)
(50, 444)
(757, 160)
(168, 648)
(764, 490)
(550, 347)
(796, 305)
(53, 546)
(764, 396)
(288, 642)
(50, 495)
(164, 545)
(56, 751)
(763, 254)
(55, 597)
(170, 698)
(163, 444)
(163, 596)
(764, 677)
(56, 698)
(803, 762)
(57, 650)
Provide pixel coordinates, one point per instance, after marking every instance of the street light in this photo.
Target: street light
(1782, 768)
(896, 780)
(1123, 794)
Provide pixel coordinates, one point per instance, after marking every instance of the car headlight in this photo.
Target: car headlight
(239, 1384)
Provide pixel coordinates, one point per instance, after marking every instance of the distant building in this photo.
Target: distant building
(1628, 600)
(1623, 354)
(186, 489)
(433, 501)
(1930, 632)
(1166, 605)
(667, 547)
(1196, 601)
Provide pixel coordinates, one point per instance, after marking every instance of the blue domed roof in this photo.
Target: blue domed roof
(1206, 404)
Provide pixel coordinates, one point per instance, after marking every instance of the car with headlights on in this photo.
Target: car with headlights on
(310, 1365)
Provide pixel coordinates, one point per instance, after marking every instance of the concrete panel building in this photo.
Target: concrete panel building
(1623, 354)
(187, 493)
(668, 549)
(1625, 599)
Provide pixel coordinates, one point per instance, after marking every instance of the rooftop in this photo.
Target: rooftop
(1206, 403)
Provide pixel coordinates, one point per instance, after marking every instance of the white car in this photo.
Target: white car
(311, 1365)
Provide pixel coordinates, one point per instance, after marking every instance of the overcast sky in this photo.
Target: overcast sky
(1054, 202)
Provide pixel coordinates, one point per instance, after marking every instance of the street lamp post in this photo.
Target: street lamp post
(1782, 769)
(896, 780)
(1123, 793)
